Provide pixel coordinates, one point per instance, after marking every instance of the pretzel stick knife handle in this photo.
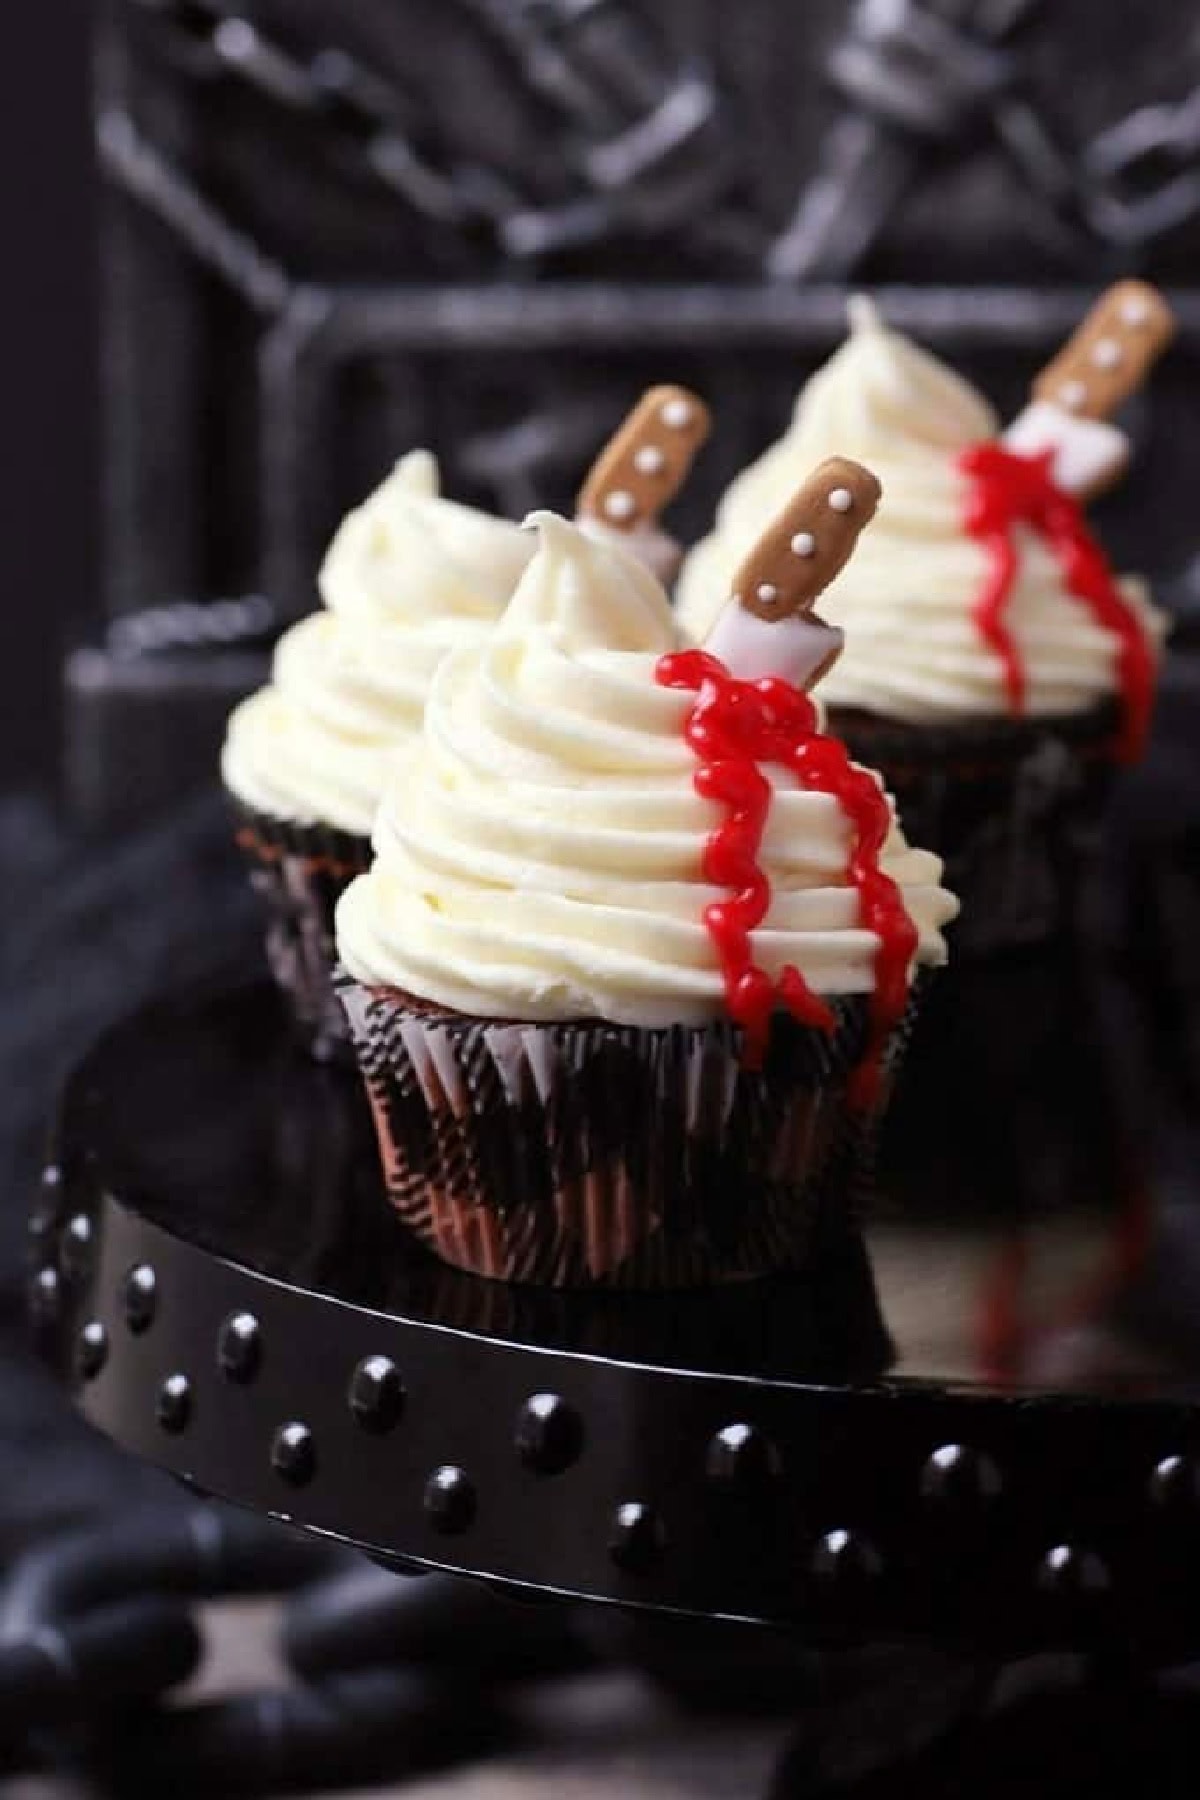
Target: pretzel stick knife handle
(1111, 354)
(767, 628)
(1103, 363)
(646, 461)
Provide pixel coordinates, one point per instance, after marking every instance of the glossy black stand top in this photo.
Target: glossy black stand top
(218, 1276)
(211, 1123)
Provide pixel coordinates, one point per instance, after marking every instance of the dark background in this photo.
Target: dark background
(47, 339)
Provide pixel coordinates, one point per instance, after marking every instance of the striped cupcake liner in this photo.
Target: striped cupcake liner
(588, 1154)
(301, 872)
(1014, 807)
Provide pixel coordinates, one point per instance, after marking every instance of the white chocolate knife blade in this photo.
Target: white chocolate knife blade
(1089, 454)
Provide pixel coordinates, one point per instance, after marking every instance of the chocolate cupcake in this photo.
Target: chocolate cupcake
(994, 669)
(997, 673)
(409, 576)
(630, 973)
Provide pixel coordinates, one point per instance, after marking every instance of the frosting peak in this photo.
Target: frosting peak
(587, 593)
(409, 576)
(417, 473)
(407, 554)
(881, 383)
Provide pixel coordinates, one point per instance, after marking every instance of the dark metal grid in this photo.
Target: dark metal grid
(650, 143)
(640, 123)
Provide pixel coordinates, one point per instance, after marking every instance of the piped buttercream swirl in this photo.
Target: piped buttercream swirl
(539, 849)
(907, 599)
(409, 577)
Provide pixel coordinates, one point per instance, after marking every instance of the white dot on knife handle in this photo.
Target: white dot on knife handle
(1106, 353)
(1135, 310)
(1072, 394)
(767, 592)
(804, 544)
(649, 460)
(841, 500)
(677, 414)
(620, 504)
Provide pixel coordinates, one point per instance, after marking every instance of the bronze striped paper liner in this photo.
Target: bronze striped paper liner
(300, 873)
(589, 1154)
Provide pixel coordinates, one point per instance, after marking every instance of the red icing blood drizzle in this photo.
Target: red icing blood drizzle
(1007, 491)
(734, 727)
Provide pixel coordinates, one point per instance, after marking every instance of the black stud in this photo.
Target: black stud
(75, 1248)
(293, 1453)
(91, 1350)
(637, 1539)
(44, 1297)
(173, 1409)
(548, 1435)
(846, 1565)
(43, 1215)
(956, 1476)
(1071, 1574)
(742, 1457)
(449, 1500)
(139, 1297)
(1175, 1485)
(376, 1394)
(239, 1347)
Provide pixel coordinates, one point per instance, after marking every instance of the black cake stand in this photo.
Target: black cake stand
(218, 1277)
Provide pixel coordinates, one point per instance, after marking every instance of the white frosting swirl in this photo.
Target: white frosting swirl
(905, 599)
(651, 545)
(538, 851)
(408, 577)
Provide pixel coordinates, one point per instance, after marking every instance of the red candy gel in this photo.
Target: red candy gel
(733, 728)
(1008, 490)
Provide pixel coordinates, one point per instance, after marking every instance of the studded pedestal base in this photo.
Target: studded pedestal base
(217, 1276)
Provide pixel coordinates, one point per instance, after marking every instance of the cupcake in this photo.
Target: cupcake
(630, 971)
(993, 664)
(409, 577)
